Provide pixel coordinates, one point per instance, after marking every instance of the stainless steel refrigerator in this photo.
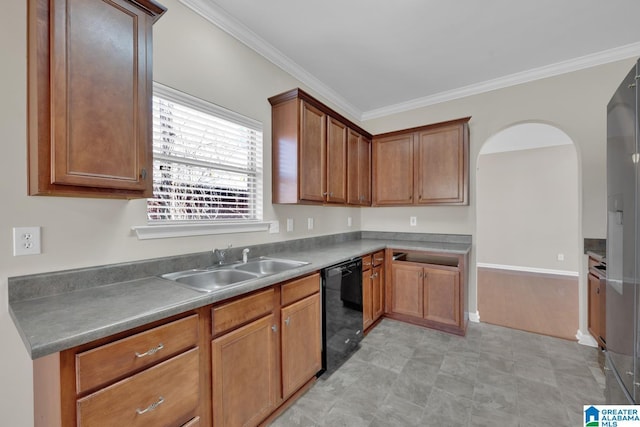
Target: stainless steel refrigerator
(622, 366)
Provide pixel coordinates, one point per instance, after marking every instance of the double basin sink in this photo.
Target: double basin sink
(218, 277)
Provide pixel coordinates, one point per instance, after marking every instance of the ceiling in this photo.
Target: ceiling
(373, 57)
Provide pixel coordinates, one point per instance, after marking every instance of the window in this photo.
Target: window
(207, 162)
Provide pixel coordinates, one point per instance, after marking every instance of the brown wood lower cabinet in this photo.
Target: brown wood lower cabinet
(151, 376)
(164, 395)
(424, 292)
(597, 307)
(236, 363)
(257, 365)
(372, 288)
(245, 373)
(301, 343)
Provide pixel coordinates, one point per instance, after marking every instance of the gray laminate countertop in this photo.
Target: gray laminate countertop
(54, 323)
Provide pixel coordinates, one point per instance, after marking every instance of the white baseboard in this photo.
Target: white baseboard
(527, 269)
(474, 317)
(586, 339)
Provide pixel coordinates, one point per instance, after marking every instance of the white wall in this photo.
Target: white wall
(194, 56)
(527, 203)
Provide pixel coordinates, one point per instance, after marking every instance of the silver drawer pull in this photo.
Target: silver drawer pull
(151, 351)
(151, 407)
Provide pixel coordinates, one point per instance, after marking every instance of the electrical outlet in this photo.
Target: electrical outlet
(413, 221)
(274, 227)
(349, 221)
(289, 224)
(309, 223)
(560, 257)
(26, 241)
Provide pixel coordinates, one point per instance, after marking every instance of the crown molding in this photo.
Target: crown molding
(568, 66)
(226, 22)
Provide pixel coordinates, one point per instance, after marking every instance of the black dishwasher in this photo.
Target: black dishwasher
(342, 313)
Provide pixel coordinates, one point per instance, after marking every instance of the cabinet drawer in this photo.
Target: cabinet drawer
(298, 289)
(378, 258)
(239, 312)
(101, 365)
(193, 423)
(167, 394)
(366, 262)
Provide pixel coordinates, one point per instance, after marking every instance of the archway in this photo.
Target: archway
(528, 252)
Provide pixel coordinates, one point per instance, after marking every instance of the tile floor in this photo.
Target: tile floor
(404, 375)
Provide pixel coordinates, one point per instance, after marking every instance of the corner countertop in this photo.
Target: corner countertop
(58, 322)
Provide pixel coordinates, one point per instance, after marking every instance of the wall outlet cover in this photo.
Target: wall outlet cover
(274, 227)
(309, 223)
(289, 224)
(413, 221)
(26, 241)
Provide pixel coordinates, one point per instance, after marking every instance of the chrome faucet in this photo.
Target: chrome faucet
(245, 254)
(220, 254)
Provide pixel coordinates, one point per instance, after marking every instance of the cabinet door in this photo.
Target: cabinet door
(245, 374)
(393, 170)
(377, 293)
(594, 303)
(100, 95)
(301, 343)
(364, 171)
(313, 140)
(442, 296)
(336, 161)
(367, 299)
(353, 168)
(358, 169)
(407, 290)
(441, 165)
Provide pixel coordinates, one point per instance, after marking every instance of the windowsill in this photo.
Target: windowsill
(165, 231)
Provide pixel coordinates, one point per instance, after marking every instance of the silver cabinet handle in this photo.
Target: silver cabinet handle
(151, 351)
(274, 328)
(287, 321)
(347, 341)
(151, 407)
(629, 373)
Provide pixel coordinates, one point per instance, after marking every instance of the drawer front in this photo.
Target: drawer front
(101, 365)
(167, 394)
(238, 312)
(193, 423)
(366, 262)
(298, 289)
(378, 258)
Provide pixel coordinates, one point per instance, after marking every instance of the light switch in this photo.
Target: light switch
(309, 223)
(413, 221)
(289, 224)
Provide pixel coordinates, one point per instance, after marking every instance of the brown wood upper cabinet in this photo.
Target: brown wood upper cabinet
(358, 169)
(311, 158)
(89, 100)
(428, 165)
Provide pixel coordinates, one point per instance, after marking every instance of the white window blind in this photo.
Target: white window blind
(207, 162)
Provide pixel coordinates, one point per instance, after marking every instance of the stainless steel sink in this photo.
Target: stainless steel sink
(265, 266)
(210, 280)
(219, 277)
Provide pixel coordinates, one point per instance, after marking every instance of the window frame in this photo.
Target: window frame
(178, 228)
